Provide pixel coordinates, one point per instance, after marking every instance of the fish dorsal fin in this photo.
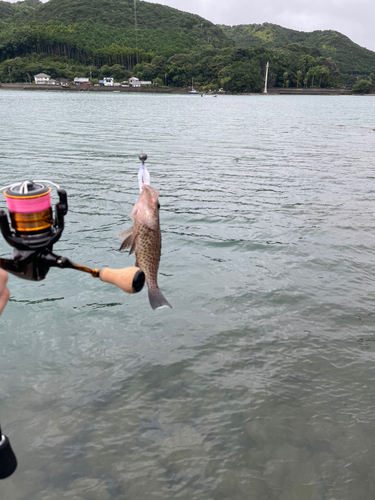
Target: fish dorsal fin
(126, 232)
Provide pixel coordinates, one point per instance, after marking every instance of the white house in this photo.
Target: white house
(134, 82)
(108, 81)
(42, 78)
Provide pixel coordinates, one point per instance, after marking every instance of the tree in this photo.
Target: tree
(180, 69)
(298, 77)
(242, 77)
(313, 72)
(285, 78)
(363, 87)
(323, 73)
(117, 72)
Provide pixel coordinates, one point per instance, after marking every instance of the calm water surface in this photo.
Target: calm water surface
(259, 384)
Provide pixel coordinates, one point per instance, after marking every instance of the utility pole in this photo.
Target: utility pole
(9, 74)
(29, 78)
(265, 80)
(135, 24)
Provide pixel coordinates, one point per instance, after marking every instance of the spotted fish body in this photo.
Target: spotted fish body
(144, 238)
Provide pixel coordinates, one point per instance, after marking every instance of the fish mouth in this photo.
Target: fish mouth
(152, 192)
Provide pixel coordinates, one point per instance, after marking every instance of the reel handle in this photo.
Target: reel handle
(35, 266)
(129, 279)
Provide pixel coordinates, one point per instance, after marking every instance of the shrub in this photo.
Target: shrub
(363, 87)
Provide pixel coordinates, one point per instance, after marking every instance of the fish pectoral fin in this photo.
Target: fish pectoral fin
(126, 232)
(133, 245)
(128, 242)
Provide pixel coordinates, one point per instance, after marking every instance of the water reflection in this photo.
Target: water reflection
(258, 384)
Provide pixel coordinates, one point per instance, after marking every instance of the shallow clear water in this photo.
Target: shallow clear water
(259, 383)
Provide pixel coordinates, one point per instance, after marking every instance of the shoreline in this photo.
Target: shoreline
(171, 90)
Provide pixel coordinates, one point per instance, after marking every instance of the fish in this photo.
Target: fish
(144, 238)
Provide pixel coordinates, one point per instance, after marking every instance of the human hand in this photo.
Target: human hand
(4, 292)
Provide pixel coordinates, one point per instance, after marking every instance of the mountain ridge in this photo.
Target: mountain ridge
(351, 58)
(103, 33)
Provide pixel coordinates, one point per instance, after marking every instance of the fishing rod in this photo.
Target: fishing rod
(32, 232)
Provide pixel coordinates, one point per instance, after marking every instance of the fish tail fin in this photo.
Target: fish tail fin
(156, 298)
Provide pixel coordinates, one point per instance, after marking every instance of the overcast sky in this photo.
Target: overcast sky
(353, 18)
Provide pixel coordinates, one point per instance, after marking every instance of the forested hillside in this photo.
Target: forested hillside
(69, 38)
(352, 60)
(86, 25)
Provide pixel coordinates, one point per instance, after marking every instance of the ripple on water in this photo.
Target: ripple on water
(259, 382)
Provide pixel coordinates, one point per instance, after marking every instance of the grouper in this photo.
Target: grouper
(144, 239)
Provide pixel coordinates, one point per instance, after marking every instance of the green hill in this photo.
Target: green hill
(120, 14)
(7, 11)
(19, 11)
(262, 35)
(92, 24)
(351, 59)
(67, 38)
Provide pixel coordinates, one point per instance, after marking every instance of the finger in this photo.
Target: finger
(4, 297)
(3, 279)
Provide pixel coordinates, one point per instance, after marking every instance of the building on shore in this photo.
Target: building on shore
(43, 79)
(108, 81)
(135, 82)
(81, 81)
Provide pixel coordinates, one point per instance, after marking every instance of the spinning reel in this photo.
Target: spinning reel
(33, 232)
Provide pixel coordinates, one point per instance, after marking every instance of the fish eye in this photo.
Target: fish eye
(158, 205)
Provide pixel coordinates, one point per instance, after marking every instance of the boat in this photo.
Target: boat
(193, 91)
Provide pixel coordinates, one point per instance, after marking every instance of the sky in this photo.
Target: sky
(353, 18)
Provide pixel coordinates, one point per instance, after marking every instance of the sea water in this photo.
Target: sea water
(259, 383)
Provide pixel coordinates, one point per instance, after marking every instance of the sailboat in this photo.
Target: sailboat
(193, 91)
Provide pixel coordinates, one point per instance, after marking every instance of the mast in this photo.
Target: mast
(265, 80)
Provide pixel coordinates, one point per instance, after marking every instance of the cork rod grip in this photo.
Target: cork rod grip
(129, 279)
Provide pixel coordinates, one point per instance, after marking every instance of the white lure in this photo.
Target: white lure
(143, 177)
